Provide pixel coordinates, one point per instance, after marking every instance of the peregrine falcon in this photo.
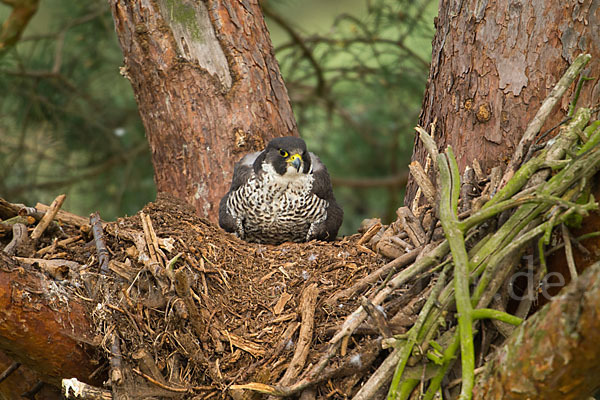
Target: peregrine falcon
(282, 194)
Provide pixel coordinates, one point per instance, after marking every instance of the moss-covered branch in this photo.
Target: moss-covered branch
(450, 189)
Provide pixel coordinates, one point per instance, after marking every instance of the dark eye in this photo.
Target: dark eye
(283, 153)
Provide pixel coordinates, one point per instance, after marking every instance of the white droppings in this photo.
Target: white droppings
(72, 386)
(201, 190)
(143, 258)
(356, 361)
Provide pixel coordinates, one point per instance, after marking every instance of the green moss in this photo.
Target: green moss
(185, 14)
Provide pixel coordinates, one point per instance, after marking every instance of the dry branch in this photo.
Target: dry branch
(308, 302)
(66, 217)
(20, 243)
(48, 217)
(423, 181)
(216, 290)
(101, 250)
(399, 262)
(8, 210)
(544, 111)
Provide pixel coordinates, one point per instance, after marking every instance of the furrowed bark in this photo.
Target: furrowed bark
(208, 89)
(41, 327)
(493, 64)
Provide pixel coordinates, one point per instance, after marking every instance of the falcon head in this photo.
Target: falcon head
(287, 155)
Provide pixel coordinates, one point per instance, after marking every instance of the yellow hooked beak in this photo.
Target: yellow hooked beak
(295, 160)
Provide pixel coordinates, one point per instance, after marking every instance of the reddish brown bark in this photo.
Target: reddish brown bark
(23, 380)
(554, 354)
(493, 63)
(208, 89)
(41, 327)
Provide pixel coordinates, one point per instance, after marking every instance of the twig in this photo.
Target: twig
(412, 226)
(30, 394)
(573, 103)
(544, 111)
(450, 189)
(151, 240)
(9, 370)
(457, 381)
(373, 277)
(57, 268)
(521, 177)
(379, 378)
(155, 263)
(429, 145)
(9, 210)
(171, 388)
(48, 217)
(101, 249)
(578, 239)
(20, 241)
(307, 306)
(422, 181)
(504, 242)
(116, 372)
(183, 290)
(490, 313)
(60, 243)
(569, 252)
(377, 317)
(66, 217)
(447, 360)
(416, 333)
(368, 235)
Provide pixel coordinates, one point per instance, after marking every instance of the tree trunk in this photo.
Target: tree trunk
(208, 89)
(493, 63)
(40, 327)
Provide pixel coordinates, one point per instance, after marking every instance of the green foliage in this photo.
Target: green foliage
(69, 122)
(356, 92)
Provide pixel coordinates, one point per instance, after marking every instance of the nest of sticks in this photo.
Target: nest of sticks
(184, 310)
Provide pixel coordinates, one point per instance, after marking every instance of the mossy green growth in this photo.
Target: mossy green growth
(186, 14)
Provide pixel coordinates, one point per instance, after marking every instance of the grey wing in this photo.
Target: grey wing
(322, 188)
(242, 171)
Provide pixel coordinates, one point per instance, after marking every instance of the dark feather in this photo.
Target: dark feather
(322, 188)
(242, 171)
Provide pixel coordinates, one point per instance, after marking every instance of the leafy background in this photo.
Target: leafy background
(355, 71)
